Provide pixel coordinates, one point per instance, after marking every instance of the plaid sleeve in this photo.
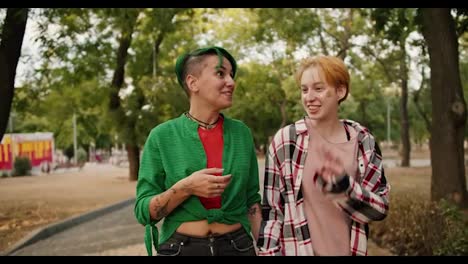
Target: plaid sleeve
(272, 207)
(368, 198)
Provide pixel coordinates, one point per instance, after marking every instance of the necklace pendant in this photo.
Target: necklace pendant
(201, 123)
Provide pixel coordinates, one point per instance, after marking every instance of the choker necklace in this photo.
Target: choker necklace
(201, 123)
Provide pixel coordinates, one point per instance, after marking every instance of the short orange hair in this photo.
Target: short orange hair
(333, 69)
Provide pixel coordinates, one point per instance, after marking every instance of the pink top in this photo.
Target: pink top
(329, 225)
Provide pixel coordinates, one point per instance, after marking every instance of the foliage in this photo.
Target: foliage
(2, 17)
(418, 227)
(155, 96)
(68, 152)
(22, 166)
(78, 48)
(395, 23)
(461, 20)
(455, 242)
(464, 69)
(258, 91)
(81, 156)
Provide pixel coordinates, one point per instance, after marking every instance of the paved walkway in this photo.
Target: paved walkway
(113, 234)
(112, 231)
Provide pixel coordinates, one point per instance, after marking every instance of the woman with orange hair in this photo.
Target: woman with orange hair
(324, 180)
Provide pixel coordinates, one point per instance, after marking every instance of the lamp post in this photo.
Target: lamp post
(389, 92)
(389, 127)
(12, 116)
(75, 152)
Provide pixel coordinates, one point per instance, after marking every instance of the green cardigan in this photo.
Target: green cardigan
(173, 151)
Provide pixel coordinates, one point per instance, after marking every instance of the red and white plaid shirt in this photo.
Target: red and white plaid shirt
(284, 229)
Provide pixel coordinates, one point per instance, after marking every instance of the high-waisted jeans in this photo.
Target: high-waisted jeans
(236, 243)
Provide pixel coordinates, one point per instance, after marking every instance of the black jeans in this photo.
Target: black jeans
(236, 243)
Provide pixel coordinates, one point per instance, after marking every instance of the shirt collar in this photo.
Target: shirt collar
(301, 126)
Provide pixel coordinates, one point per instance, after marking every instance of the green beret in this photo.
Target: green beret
(182, 59)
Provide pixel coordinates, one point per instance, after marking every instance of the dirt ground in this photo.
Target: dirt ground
(27, 203)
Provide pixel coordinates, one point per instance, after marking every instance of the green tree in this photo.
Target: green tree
(259, 91)
(125, 21)
(157, 23)
(448, 106)
(396, 26)
(90, 43)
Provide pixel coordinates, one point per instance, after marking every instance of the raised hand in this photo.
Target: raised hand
(332, 168)
(206, 183)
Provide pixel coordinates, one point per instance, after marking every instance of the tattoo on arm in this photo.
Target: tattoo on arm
(161, 210)
(252, 210)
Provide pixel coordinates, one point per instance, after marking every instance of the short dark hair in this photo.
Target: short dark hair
(184, 60)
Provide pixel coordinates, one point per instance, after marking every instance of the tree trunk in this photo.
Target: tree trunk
(10, 51)
(448, 107)
(419, 108)
(119, 73)
(115, 105)
(344, 40)
(405, 136)
(323, 43)
(133, 154)
(156, 50)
